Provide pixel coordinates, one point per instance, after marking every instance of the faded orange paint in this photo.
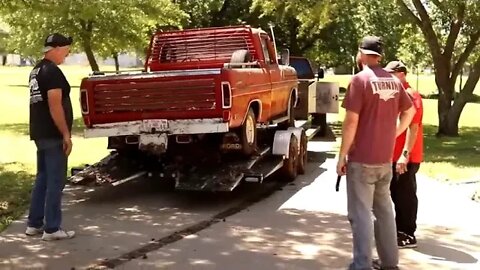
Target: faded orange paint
(183, 76)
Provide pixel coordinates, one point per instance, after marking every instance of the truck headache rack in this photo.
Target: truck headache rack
(205, 46)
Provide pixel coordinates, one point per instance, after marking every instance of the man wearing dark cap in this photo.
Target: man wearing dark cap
(407, 156)
(51, 118)
(373, 101)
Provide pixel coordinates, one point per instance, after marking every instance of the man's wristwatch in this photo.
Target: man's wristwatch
(405, 153)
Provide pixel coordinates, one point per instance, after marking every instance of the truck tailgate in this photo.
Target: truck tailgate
(153, 97)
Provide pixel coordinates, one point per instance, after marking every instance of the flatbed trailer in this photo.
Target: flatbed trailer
(283, 151)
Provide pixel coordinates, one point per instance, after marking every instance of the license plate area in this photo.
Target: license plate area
(154, 126)
(154, 143)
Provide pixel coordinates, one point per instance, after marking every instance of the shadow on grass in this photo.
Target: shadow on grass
(15, 188)
(459, 151)
(23, 128)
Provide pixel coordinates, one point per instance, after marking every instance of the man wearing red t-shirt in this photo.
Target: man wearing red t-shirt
(408, 154)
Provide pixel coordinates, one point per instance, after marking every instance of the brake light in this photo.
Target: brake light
(84, 101)
(226, 95)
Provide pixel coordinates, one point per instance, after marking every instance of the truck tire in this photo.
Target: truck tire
(289, 170)
(291, 116)
(303, 155)
(248, 134)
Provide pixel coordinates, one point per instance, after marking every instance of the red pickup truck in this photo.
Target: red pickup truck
(213, 82)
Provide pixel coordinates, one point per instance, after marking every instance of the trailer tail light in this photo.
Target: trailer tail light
(84, 101)
(226, 95)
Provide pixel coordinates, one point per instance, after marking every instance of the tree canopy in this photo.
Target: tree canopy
(104, 27)
(444, 34)
(451, 30)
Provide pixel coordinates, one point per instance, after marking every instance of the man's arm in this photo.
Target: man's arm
(412, 132)
(348, 133)
(56, 111)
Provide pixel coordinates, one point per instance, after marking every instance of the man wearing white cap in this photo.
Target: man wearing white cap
(51, 118)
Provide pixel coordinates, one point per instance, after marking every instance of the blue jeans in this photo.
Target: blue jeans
(49, 184)
(368, 190)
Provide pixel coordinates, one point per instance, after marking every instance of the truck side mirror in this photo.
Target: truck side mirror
(321, 74)
(285, 57)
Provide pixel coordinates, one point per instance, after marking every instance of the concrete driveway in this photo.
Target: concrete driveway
(300, 226)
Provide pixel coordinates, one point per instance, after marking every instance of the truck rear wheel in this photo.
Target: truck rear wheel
(290, 165)
(248, 134)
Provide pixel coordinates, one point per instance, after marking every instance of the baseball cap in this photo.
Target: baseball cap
(56, 40)
(371, 45)
(396, 66)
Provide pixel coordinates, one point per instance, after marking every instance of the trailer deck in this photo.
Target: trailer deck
(220, 176)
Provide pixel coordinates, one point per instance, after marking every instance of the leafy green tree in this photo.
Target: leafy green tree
(452, 32)
(413, 49)
(3, 41)
(103, 27)
(298, 23)
(381, 18)
(215, 13)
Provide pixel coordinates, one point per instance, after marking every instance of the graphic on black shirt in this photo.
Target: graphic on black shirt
(35, 94)
(44, 77)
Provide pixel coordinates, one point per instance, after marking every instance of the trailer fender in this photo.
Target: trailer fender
(281, 142)
(298, 133)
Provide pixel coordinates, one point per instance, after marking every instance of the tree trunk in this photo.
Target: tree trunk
(87, 27)
(4, 60)
(448, 113)
(293, 39)
(91, 57)
(449, 127)
(117, 64)
(218, 17)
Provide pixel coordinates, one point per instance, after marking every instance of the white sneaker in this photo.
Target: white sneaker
(58, 235)
(32, 231)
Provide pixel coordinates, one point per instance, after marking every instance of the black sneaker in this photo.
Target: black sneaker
(406, 241)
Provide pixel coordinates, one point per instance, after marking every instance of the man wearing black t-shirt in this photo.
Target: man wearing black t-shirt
(51, 120)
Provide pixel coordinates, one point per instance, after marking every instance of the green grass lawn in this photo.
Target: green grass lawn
(452, 158)
(17, 158)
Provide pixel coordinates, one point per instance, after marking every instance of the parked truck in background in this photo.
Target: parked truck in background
(316, 96)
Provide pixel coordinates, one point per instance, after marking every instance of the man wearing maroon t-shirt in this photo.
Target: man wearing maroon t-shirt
(373, 101)
(408, 153)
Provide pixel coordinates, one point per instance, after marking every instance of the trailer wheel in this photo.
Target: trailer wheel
(302, 157)
(248, 134)
(290, 165)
